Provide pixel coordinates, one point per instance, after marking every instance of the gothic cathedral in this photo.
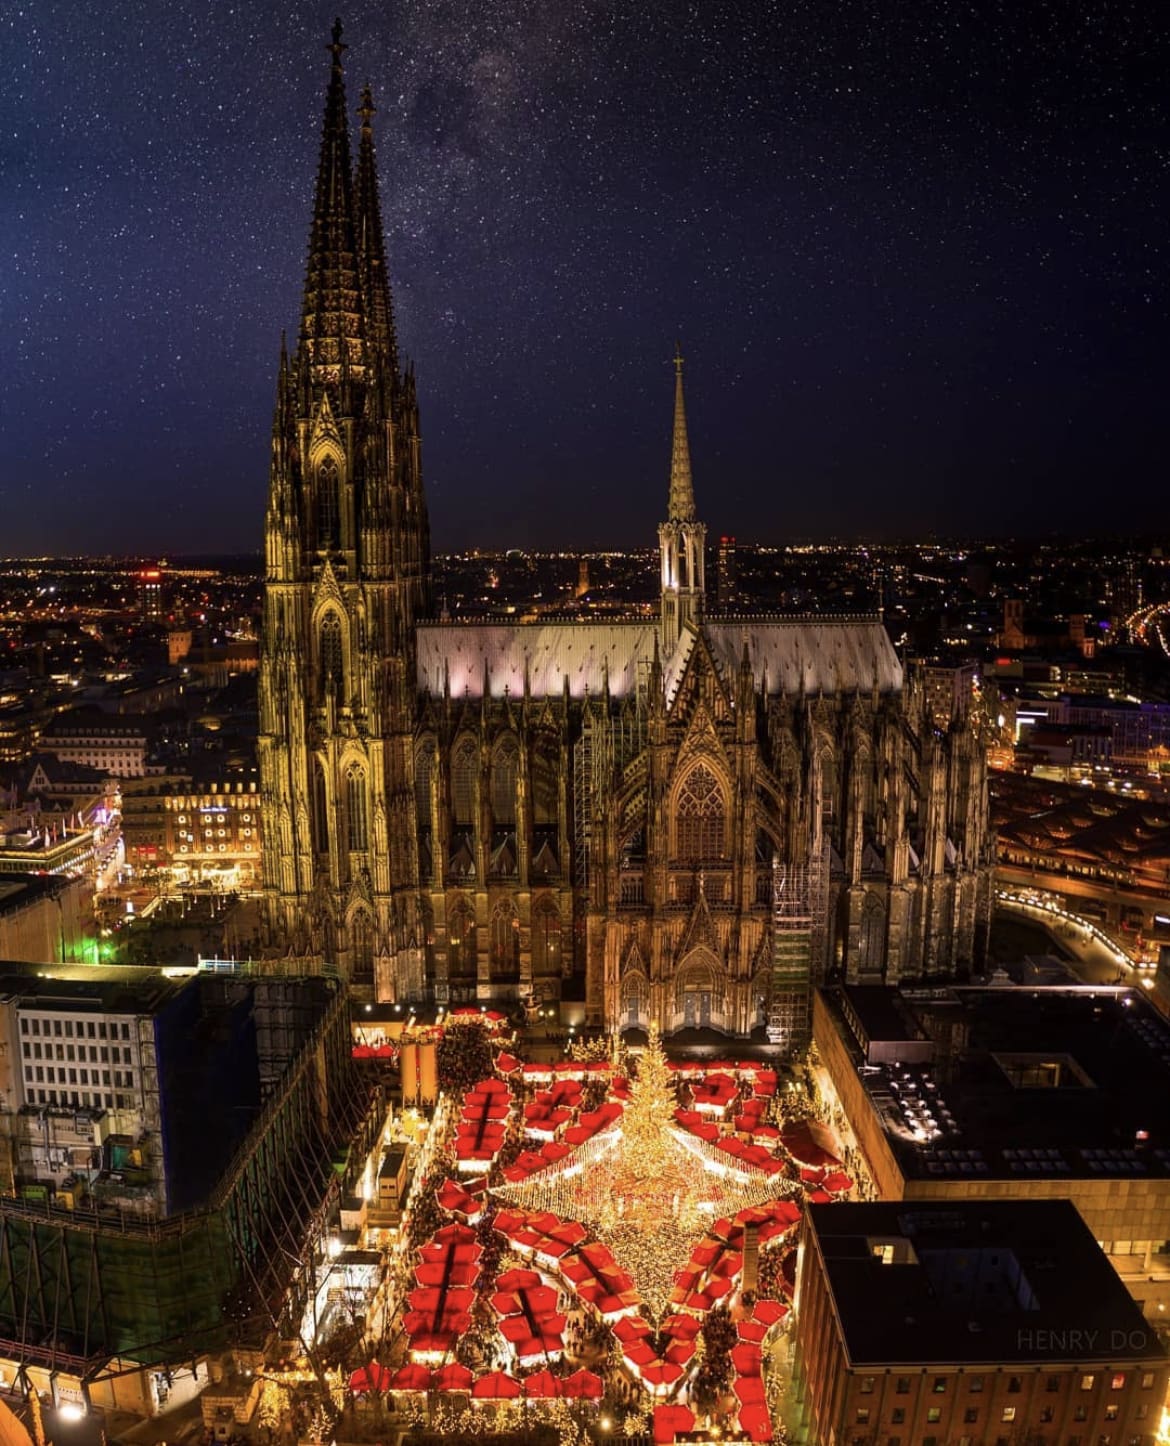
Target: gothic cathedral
(632, 813)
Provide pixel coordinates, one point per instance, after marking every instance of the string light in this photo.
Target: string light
(648, 1189)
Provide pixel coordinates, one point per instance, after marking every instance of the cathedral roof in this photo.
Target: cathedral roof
(830, 655)
(547, 653)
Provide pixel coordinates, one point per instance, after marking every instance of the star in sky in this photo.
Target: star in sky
(916, 254)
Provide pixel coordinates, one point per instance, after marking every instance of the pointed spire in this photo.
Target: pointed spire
(332, 318)
(682, 495)
(372, 245)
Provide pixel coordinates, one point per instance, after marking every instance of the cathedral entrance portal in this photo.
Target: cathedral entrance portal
(698, 999)
(697, 1009)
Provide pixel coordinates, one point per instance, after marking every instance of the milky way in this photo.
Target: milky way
(916, 255)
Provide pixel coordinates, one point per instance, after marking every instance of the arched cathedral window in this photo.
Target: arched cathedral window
(505, 951)
(504, 769)
(461, 945)
(424, 762)
(463, 770)
(330, 655)
(328, 489)
(871, 946)
(699, 817)
(545, 760)
(361, 946)
(320, 810)
(546, 941)
(356, 809)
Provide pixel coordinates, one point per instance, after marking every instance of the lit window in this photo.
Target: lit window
(1008, 1414)
(1087, 1382)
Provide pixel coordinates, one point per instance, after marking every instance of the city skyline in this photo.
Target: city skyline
(946, 233)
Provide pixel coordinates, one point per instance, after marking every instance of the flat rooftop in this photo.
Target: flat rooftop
(87, 988)
(1049, 1082)
(986, 1282)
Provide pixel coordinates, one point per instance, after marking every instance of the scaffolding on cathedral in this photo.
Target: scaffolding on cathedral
(798, 904)
(583, 801)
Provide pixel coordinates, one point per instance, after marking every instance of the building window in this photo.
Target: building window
(463, 770)
(1118, 1382)
(902, 1388)
(971, 1415)
(320, 810)
(504, 768)
(1111, 1412)
(699, 815)
(327, 504)
(940, 1385)
(1147, 1380)
(1052, 1384)
(863, 1415)
(461, 967)
(356, 809)
(1081, 1413)
(505, 955)
(1015, 1385)
(1046, 1415)
(424, 760)
(1087, 1382)
(1008, 1414)
(934, 1415)
(329, 652)
(866, 1386)
(546, 943)
(898, 1416)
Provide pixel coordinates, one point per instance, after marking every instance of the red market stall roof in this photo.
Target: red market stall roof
(672, 1420)
(453, 1377)
(542, 1386)
(495, 1386)
(373, 1377)
(583, 1386)
(811, 1143)
(411, 1378)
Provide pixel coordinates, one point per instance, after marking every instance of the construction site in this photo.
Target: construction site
(205, 1233)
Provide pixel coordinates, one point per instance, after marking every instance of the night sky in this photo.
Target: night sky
(916, 254)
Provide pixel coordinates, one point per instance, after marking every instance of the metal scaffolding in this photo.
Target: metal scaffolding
(798, 908)
(583, 801)
(91, 1284)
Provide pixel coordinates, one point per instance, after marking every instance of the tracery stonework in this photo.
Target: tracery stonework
(498, 811)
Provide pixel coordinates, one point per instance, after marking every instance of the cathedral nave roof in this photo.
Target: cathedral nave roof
(829, 655)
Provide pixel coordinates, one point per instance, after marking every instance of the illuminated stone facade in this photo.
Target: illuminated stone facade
(504, 810)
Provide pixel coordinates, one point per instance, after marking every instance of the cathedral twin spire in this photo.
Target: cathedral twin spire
(347, 320)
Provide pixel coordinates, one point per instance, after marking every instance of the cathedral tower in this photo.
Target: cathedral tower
(347, 577)
(681, 538)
